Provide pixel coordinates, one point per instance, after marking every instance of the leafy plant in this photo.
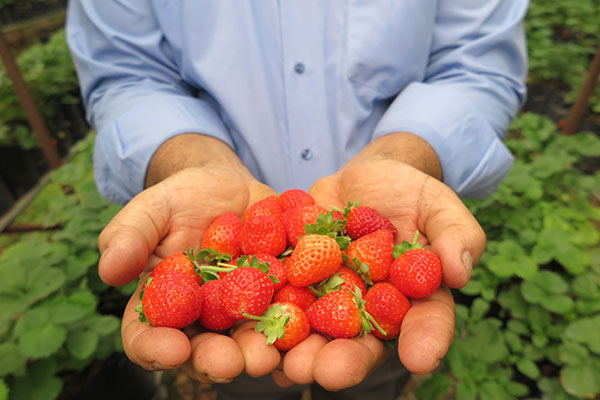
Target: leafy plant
(50, 323)
(527, 322)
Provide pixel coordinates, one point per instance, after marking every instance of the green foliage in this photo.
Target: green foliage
(562, 37)
(529, 326)
(49, 289)
(50, 74)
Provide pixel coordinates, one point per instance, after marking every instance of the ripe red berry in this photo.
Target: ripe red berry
(301, 296)
(171, 299)
(246, 290)
(336, 314)
(293, 198)
(416, 272)
(388, 307)
(270, 205)
(362, 220)
(295, 219)
(344, 278)
(263, 234)
(223, 235)
(214, 317)
(372, 255)
(284, 324)
(315, 257)
(177, 262)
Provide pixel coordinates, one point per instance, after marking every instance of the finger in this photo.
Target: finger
(150, 347)
(427, 332)
(215, 358)
(298, 361)
(259, 357)
(343, 363)
(453, 232)
(279, 377)
(128, 240)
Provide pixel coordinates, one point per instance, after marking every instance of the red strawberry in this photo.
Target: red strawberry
(362, 220)
(387, 306)
(171, 299)
(336, 314)
(293, 198)
(344, 278)
(177, 262)
(223, 234)
(263, 234)
(268, 206)
(301, 296)
(372, 254)
(315, 257)
(295, 219)
(416, 272)
(246, 290)
(284, 324)
(276, 269)
(214, 317)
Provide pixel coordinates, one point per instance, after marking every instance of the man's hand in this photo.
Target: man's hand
(194, 179)
(412, 200)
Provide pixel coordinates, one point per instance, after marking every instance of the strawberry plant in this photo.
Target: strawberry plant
(527, 322)
(57, 317)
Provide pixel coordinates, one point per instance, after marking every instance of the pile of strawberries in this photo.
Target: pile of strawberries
(295, 267)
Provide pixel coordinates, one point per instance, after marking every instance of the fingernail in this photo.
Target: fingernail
(467, 260)
(219, 380)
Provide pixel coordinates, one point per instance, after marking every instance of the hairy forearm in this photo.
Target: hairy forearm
(407, 148)
(192, 150)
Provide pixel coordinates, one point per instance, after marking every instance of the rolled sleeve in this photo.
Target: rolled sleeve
(472, 89)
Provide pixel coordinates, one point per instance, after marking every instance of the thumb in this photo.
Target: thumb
(128, 240)
(454, 234)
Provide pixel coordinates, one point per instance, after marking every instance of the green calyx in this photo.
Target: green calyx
(252, 262)
(362, 269)
(368, 322)
(327, 225)
(328, 285)
(272, 323)
(140, 307)
(406, 246)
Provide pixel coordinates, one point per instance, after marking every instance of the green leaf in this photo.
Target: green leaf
(513, 341)
(511, 260)
(103, 324)
(492, 390)
(559, 304)
(42, 342)
(583, 379)
(572, 353)
(486, 342)
(39, 383)
(82, 343)
(479, 308)
(3, 390)
(11, 306)
(517, 327)
(42, 281)
(517, 389)
(585, 331)
(459, 359)
(433, 388)
(528, 368)
(586, 286)
(466, 390)
(11, 359)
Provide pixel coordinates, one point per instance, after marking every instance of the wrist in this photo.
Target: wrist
(191, 150)
(407, 148)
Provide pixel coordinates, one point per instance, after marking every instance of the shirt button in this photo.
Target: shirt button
(306, 154)
(299, 68)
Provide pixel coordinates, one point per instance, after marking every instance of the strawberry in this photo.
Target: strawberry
(416, 272)
(387, 306)
(270, 205)
(263, 234)
(273, 267)
(295, 219)
(246, 290)
(214, 317)
(177, 262)
(371, 255)
(344, 278)
(315, 257)
(284, 324)
(293, 198)
(362, 220)
(223, 234)
(301, 296)
(171, 299)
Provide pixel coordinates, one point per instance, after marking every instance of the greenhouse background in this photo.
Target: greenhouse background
(527, 323)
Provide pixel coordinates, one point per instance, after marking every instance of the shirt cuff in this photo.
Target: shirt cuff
(473, 158)
(125, 146)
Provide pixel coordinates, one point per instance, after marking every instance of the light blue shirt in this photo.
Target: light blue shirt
(298, 87)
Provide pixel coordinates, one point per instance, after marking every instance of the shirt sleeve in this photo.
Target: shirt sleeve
(134, 96)
(473, 87)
